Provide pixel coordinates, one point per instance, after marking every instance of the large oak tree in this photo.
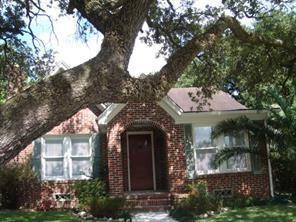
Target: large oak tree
(185, 32)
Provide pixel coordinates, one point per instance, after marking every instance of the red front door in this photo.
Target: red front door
(140, 159)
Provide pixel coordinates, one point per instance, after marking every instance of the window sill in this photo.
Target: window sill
(63, 180)
(220, 173)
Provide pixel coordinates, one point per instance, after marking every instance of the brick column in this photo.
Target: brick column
(176, 160)
(115, 163)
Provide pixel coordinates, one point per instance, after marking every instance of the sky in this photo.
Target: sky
(71, 50)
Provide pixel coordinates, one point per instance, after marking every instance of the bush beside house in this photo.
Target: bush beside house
(17, 179)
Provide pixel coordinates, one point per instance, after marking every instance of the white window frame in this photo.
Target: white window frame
(67, 157)
(248, 157)
(219, 144)
(196, 149)
(89, 156)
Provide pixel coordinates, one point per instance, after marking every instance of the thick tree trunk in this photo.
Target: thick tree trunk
(39, 108)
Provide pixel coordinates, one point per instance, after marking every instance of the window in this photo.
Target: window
(66, 157)
(236, 139)
(54, 158)
(202, 137)
(205, 149)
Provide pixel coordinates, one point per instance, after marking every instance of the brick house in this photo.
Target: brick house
(147, 152)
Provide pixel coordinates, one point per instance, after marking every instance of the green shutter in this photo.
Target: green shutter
(95, 155)
(36, 157)
(189, 151)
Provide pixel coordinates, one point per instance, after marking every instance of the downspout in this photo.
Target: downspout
(269, 166)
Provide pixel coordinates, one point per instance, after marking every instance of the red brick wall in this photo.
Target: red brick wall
(246, 183)
(41, 195)
(83, 122)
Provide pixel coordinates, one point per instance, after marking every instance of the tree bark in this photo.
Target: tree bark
(105, 78)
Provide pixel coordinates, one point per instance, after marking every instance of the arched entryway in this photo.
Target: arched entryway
(144, 156)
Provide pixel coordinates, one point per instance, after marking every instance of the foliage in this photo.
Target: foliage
(279, 130)
(241, 201)
(93, 197)
(269, 213)
(293, 196)
(246, 70)
(16, 178)
(88, 189)
(111, 207)
(16, 51)
(199, 201)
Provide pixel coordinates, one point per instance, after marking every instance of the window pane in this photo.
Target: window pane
(54, 147)
(54, 168)
(81, 167)
(237, 162)
(80, 146)
(202, 136)
(205, 160)
(234, 139)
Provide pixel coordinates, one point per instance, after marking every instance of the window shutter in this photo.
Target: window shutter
(189, 151)
(95, 146)
(36, 158)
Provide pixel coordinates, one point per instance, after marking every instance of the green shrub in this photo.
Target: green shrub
(93, 197)
(86, 190)
(184, 210)
(198, 202)
(293, 197)
(16, 180)
(111, 207)
(241, 201)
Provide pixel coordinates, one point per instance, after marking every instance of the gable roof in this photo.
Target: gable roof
(220, 101)
(179, 105)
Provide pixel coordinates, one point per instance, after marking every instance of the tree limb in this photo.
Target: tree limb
(251, 38)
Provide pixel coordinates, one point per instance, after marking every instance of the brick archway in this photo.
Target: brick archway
(140, 114)
(159, 154)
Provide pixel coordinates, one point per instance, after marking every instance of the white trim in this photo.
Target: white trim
(109, 113)
(67, 157)
(222, 169)
(181, 117)
(152, 153)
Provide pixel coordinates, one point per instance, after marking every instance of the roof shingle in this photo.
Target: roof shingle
(220, 101)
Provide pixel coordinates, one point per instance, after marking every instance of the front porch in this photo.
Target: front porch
(145, 154)
(144, 159)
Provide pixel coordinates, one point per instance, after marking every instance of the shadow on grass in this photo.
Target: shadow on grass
(20, 216)
(275, 213)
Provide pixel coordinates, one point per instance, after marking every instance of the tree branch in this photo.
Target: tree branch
(241, 34)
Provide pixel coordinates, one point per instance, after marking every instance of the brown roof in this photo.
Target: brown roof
(220, 101)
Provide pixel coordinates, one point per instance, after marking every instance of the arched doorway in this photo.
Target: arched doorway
(144, 152)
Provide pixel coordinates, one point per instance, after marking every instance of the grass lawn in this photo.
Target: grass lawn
(21, 216)
(273, 213)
